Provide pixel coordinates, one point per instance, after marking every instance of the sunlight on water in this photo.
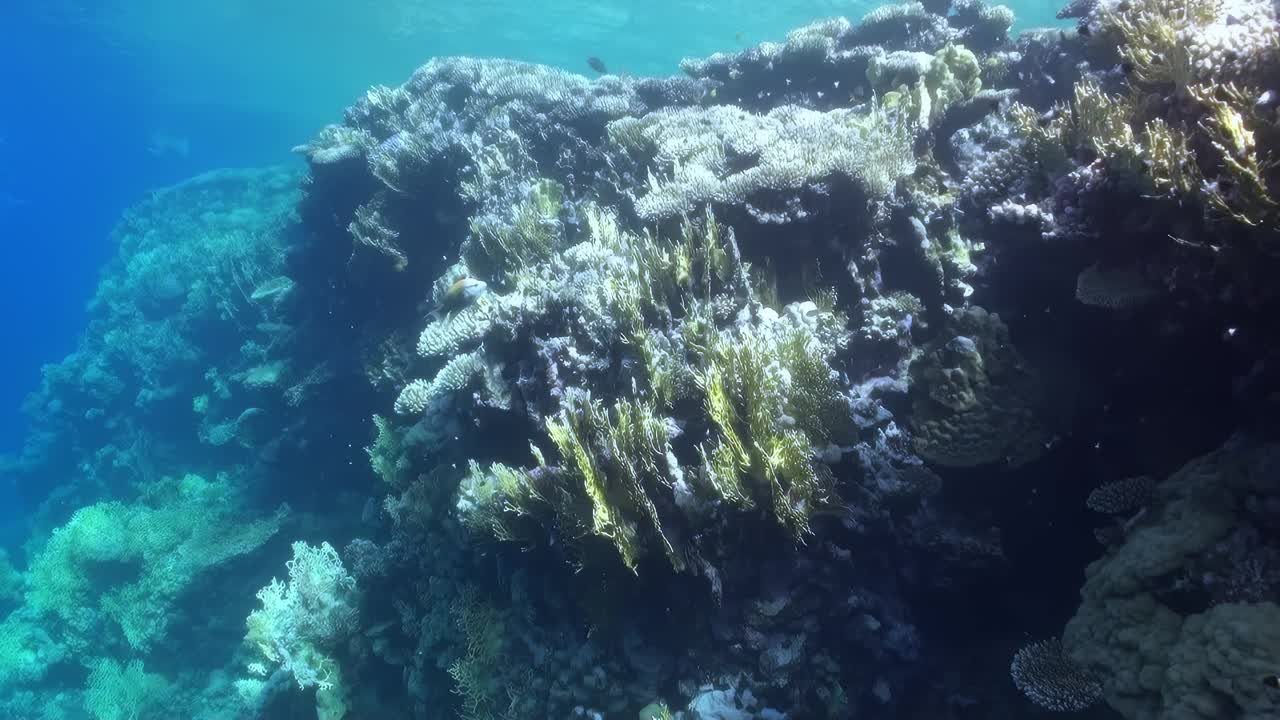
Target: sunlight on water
(310, 58)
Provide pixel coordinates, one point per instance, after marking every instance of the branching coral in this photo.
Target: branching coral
(300, 623)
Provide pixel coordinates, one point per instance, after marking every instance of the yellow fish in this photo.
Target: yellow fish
(463, 292)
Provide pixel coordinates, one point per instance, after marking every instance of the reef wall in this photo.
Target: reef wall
(805, 384)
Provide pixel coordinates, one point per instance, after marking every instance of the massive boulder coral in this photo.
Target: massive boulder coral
(975, 398)
(1148, 629)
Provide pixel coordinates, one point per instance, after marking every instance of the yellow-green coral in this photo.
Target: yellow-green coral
(616, 459)
(1100, 121)
(767, 387)
(1170, 160)
(760, 453)
(491, 499)
(182, 528)
(1153, 43)
(386, 454)
(1242, 192)
(498, 248)
(1217, 159)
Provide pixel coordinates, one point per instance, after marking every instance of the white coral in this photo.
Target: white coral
(454, 376)
(704, 149)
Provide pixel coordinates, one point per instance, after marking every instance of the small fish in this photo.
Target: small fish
(1083, 30)
(463, 292)
(1272, 681)
(737, 37)
(597, 64)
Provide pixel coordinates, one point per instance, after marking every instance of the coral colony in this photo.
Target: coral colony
(729, 395)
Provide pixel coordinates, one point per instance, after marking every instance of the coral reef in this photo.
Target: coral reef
(1145, 632)
(798, 386)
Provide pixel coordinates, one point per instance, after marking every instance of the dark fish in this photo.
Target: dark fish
(1271, 681)
(597, 64)
(1083, 30)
